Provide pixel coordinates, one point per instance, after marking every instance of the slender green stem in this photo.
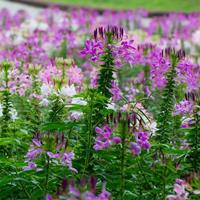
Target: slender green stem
(122, 166)
(90, 135)
(142, 173)
(47, 173)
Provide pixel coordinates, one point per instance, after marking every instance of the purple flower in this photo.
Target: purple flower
(145, 145)
(116, 92)
(189, 74)
(142, 142)
(104, 139)
(36, 148)
(179, 189)
(36, 142)
(93, 49)
(159, 67)
(98, 130)
(49, 197)
(67, 158)
(53, 155)
(73, 190)
(31, 166)
(105, 195)
(135, 148)
(184, 107)
(116, 140)
(124, 53)
(33, 153)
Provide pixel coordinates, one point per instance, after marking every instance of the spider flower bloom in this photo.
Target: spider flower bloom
(38, 148)
(107, 33)
(142, 142)
(179, 189)
(135, 148)
(75, 75)
(189, 74)
(111, 38)
(184, 107)
(104, 139)
(49, 197)
(83, 191)
(31, 166)
(116, 92)
(159, 67)
(94, 49)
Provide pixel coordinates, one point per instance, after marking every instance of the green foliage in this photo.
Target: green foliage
(193, 137)
(6, 102)
(56, 110)
(106, 73)
(154, 5)
(165, 117)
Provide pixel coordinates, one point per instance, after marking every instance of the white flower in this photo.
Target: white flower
(13, 114)
(153, 127)
(111, 106)
(196, 37)
(44, 102)
(1, 110)
(16, 36)
(46, 89)
(42, 26)
(68, 91)
(79, 101)
(76, 115)
(33, 25)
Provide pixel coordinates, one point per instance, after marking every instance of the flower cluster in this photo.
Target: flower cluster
(142, 142)
(184, 107)
(39, 146)
(116, 92)
(188, 73)
(159, 67)
(179, 189)
(93, 49)
(70, 190)
(122, 49)
(75, 75)
(104, 139)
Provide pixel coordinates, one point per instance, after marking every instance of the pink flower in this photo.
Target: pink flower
(159, 67)
(75, 75)
(189, 74)
(179, 189)
(184, 107)
(31, 166)
(116, 92)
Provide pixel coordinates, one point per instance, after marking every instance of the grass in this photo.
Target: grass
(152, 5)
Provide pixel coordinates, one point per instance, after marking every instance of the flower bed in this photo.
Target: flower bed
(99, 106)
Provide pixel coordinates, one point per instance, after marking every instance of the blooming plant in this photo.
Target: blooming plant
(107, 104)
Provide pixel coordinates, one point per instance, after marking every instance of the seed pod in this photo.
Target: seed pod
(64, 183)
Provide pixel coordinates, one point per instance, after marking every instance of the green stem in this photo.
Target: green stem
(90, 136)
(122, 166)
(164, 175)
(47, 173)
(142, 172)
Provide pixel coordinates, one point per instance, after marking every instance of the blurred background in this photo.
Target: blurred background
(150, 5)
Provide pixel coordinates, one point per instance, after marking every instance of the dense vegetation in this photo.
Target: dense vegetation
(99, 107)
